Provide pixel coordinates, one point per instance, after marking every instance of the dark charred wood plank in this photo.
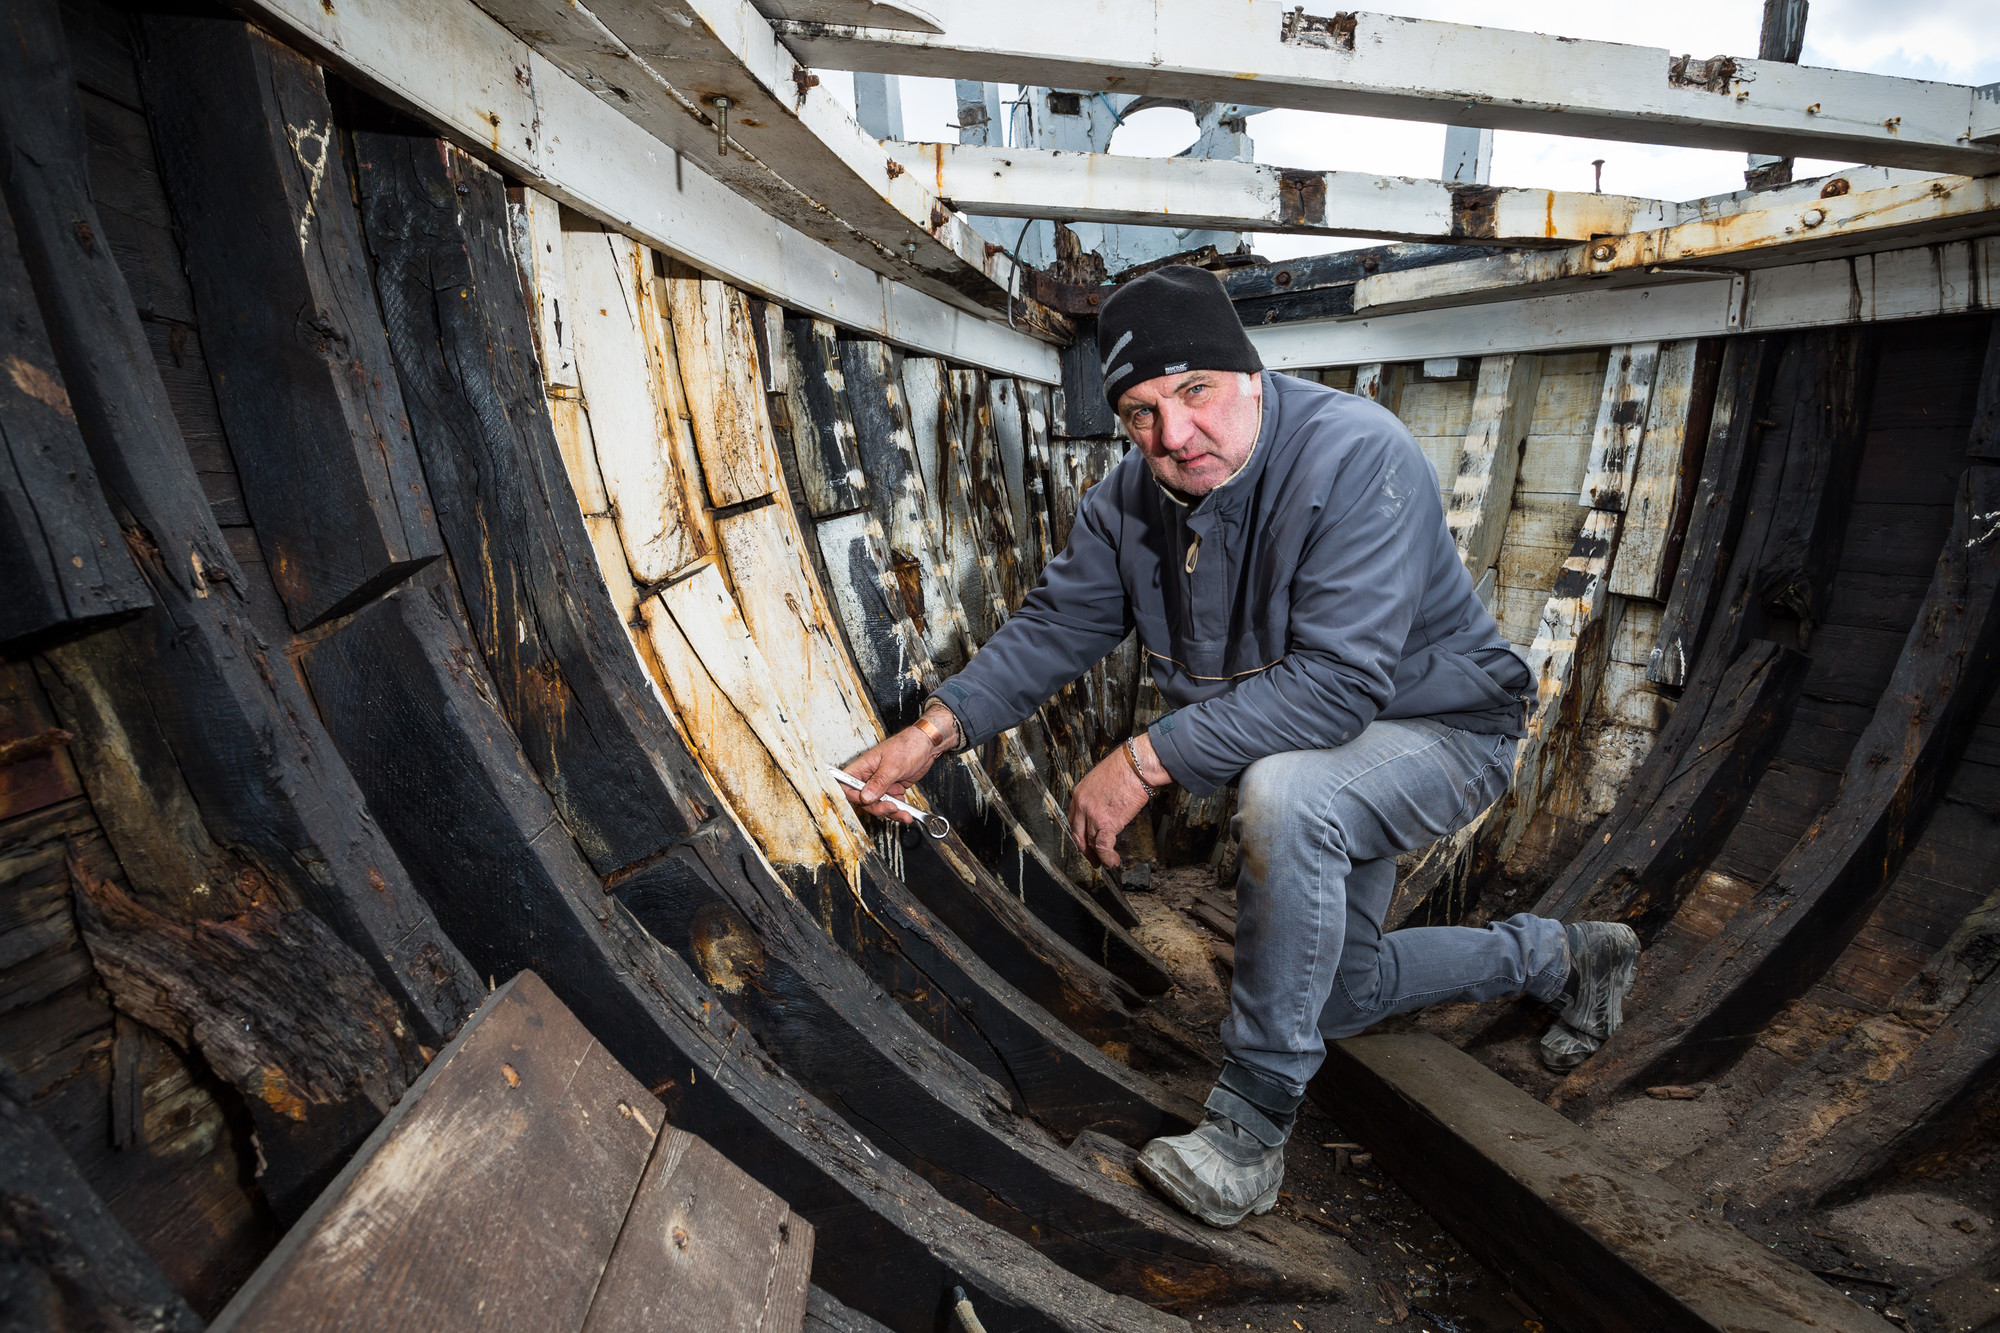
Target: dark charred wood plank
(1591, 1240)
(1655, 856)
(257, 175)
(398, 684)
(275, 1004)
(242, 731)
(824, 1314)
(1797, 924)
(67, 1265)
(823, 428)
(461, 334)
(62, 558)
(1748, 365)
(703, 1247)
(454, 1189)
(837, 1036)
(1889, 1088)
(1985, 441)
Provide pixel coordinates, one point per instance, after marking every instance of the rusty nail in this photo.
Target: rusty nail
(680, 1238)
(722, 105)
(1284, 278)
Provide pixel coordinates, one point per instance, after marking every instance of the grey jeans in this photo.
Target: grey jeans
(1320, 831)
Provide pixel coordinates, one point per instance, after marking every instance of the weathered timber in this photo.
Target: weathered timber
(1502, 406)
(536, 223)
(725, 398)
(68, 1266)
(242, 730)
(1654, 853)
(1008, 414)
(397, 685)
(276, 1005)
(1662, 480)
(1621, 426)
(703, 1247)
(1877, 1096)
(1985, 442)
(824, 1314)
(1786, 936)
(62, 557)
(822, 425)
(633, 391)
(1720, 504)
(568, 681)
(1590, 1239)
(499, 1181)
(257, 176)
(959, 786)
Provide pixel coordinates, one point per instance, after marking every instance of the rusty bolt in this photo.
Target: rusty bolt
(1812, 217)
(1092, 298)
(1835, 187)
(1284, 278)
(1602, 253)
(680, 1238)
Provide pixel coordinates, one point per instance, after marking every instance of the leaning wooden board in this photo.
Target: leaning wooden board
(528, 1181)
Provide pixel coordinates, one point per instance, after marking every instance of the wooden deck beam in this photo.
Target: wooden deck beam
(1382, 65)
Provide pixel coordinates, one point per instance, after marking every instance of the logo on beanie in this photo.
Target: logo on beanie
(1175, 369)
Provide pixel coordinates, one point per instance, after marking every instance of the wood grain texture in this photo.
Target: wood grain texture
(1985, 441)
(703, 1247)
(725, 396)
(62, 556)
(522, 1144)
(458, 326)
(68, 1266)
(257, 175)
(536, 224)
(1786, 937)
(1676, 418)
(1503, 405)
(822, 424)
(243, 732)
(1621, 426)
(633, 393)
(1587, 1237)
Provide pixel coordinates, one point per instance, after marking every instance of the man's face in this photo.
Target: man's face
(1195, 428)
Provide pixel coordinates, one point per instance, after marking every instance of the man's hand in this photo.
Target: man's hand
(889, 769)
(1108, 798)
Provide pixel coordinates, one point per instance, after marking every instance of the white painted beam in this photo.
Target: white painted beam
(474, 82)
(1212, 192)
(1409, 69)
(1892, 216)
(669, 66)
(868, 13)
(1942, 279)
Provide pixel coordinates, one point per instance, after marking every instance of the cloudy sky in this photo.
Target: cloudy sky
(1957, 41)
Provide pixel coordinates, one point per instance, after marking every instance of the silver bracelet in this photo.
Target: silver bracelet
(1139, 772)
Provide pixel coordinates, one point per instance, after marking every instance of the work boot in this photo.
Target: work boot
(1603, 958)
(1230, 1166)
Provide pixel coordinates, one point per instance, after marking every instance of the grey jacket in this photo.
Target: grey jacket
(1313, 592)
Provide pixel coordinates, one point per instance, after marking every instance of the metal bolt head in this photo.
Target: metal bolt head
(1602, 253)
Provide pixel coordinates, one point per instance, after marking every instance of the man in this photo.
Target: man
(1281, 549)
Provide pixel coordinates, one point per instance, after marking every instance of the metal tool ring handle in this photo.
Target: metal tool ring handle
(937, 826)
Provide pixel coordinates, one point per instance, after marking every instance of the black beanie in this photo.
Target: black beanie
(1171, 320)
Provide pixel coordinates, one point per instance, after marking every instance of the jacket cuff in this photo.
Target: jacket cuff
(1181, 765)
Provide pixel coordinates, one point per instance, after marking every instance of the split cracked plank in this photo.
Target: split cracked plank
(1384, 65)
(69, 1266)
(241, 727)
(1877, 1095)
(63, 558)
(1199, 192)
(1590, 1239)
(1783, 939)
(257, 176)
(523, 1095)
(1482, 493)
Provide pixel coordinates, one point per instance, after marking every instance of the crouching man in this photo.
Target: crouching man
(1282, 552)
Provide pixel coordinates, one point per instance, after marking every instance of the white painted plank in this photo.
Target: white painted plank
(1941, 279)
(725, 392)
(630, 423)
(1199, 192)
(579, 452)
(1410, 69)
(1658, 477)
(1482, 491)
(538, 246)
(467, 76)
(1621, 425)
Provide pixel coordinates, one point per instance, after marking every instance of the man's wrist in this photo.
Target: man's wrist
(940, 725)
(1151, 771)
